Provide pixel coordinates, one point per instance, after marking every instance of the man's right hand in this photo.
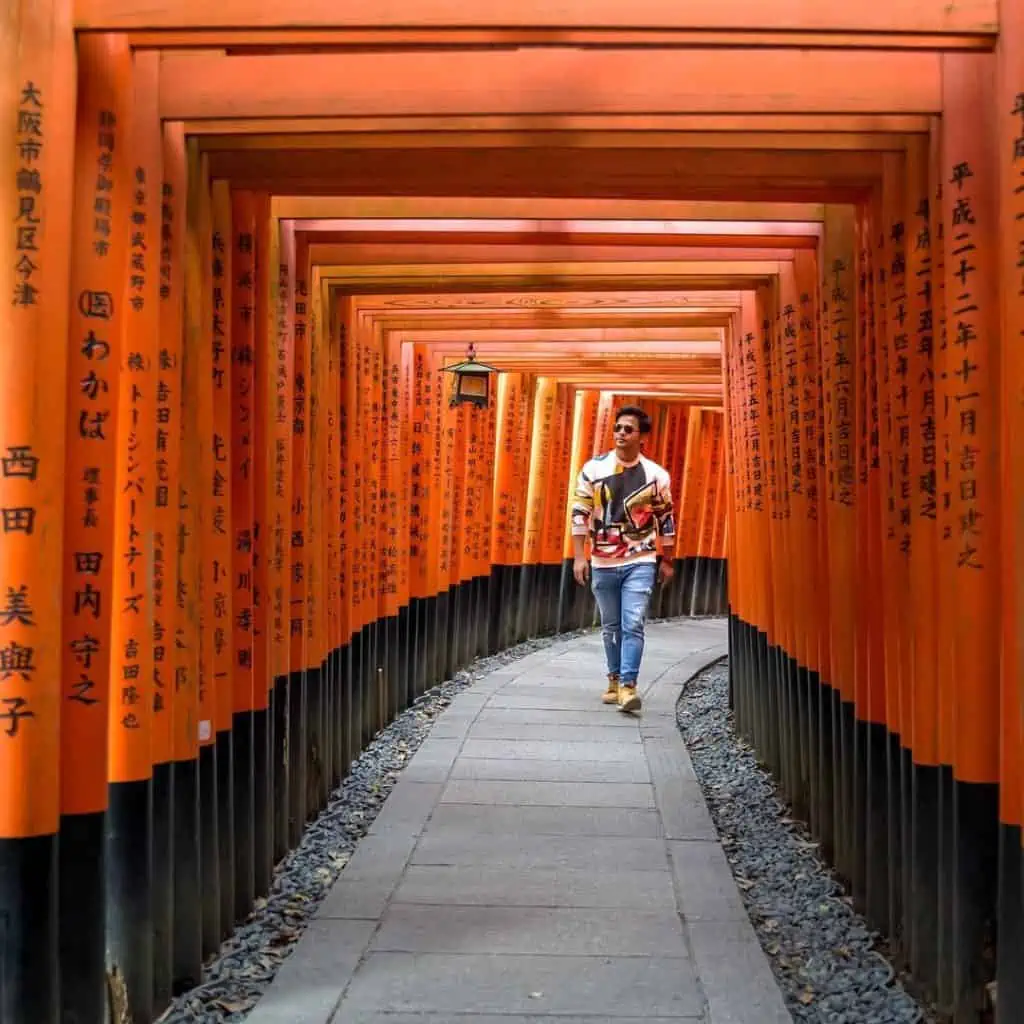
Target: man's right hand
(581, 570)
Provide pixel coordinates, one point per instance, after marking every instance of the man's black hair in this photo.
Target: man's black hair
(641, 417)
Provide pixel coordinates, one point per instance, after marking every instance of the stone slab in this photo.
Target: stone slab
(452, 729)
(437, 748)
(683, 810)
(363, 899)
(604, 716)
(476, 985)
(428, 770)
(379, 853)
(545, 820)
(517, 699)
(522, 931)
(705, 887)
(596, 732)
(547, 770)
(555, 750)
(449, 1017)
(309, 984)
(433, 759)
(408, 806)
(535, 887)
(583, 853)
(549, 794)
(735, 975)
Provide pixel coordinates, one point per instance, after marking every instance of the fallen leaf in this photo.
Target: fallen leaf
(233, 1006)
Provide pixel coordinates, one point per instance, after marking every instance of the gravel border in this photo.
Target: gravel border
(826, 960)
(236, 978)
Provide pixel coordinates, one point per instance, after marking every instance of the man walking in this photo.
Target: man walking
(623, 502)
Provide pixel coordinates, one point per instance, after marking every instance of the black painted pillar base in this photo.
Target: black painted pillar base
(695, 605)
(378, 676)
(262, 789)
(163, 886)
(129, 939)
(406, 658)
(281, 739)
(719, 600)
(947, 882)
(481, 605)
(845, 724)
(440, 635)
(877, 866)
(511, 584)
(316, 744)
(827, 772)
(686, 581)
(859, 818)
(925, 840)
(209, 848)
(29, 983)
(495, 595)
(346, 737)
(566, 587)
(390, 680)
(244, 825)
(328, 691)
(226, 830)
(427, 645)
(188, 913)
(296, 757)
(976, 864)
(1010, 973)
(895, 837)
(799, 732)
(812, 694)
(82, 889)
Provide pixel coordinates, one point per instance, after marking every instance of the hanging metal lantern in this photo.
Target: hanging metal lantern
(472, 385)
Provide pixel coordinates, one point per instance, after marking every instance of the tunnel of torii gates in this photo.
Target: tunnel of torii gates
(243, 526)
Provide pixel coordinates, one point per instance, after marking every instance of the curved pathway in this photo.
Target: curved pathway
(543, 859)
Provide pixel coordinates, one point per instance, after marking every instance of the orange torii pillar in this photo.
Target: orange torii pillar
(1009, 105)
(675, 465)
(545, 399)
(707, 573)
(515, 413)
(37, 62)
(576, 608)
(665, 454)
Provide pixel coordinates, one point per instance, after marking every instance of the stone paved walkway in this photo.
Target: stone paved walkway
(543, 858)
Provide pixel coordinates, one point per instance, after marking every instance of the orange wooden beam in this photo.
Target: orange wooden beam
(676, 326)
(263, 41)
(390, 253)
(681, 324)
(640, 125)
(743, 175)
(549, 81)
(578, 339)
(555, 135)
(499, 210)
(552, 305)
(918, 17)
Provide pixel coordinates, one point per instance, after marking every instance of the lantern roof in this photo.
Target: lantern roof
(471, 365)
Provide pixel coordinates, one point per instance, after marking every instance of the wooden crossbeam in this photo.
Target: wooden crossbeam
(550, 81)
(915, 17)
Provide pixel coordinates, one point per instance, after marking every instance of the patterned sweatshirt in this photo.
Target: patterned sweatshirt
(624, 509)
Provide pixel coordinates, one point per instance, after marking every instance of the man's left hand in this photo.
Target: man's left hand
(667, 570)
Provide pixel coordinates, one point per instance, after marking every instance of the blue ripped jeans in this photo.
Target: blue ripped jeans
(623, 593)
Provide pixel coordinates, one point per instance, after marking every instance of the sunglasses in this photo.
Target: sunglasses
(624, 428)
